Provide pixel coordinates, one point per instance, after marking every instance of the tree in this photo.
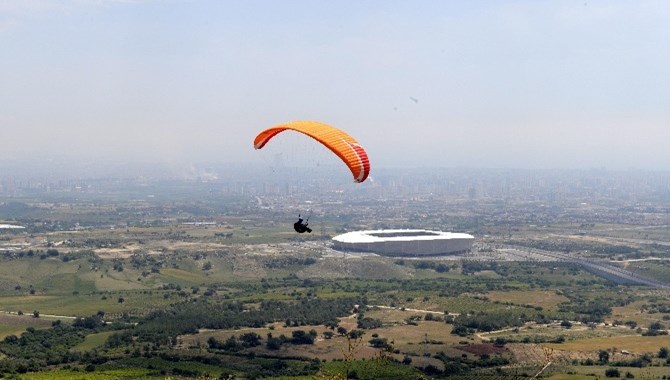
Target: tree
(378, 342)
(441, 268)
(212, 342)
(369, 323)
(663, 353)
(603, 356)
(612, 372)
(231, 344)
(656, 326)
(273, 343)
(500, 342)
(36, 314)
(250, 339)
(460, 330)
(301, 337)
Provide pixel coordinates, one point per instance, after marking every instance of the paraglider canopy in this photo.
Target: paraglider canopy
(338, 141)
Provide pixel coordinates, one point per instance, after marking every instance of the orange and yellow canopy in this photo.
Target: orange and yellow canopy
(339, 142)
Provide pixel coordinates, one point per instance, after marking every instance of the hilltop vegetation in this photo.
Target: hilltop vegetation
(186, 319)
(196, 283)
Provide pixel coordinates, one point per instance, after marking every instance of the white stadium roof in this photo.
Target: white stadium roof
(378, 236)
(404, 242)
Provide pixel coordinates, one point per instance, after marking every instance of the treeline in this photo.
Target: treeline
(288, 261)
(422, 264)
(35, 349)
(572, 246)
(526, 273)
(469, 324)
(589, 307)
(455, 365)
(593, 312)
(162, 327)
(247, 340)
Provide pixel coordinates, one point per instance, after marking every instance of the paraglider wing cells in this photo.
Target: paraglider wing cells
(338, 141)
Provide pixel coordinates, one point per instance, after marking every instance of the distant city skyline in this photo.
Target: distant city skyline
(483, 84)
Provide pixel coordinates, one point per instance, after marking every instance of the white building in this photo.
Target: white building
(404, 242)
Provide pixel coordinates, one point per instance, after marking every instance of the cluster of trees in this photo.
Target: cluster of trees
(157, 332)
(297, 337)
(655, 328)
(536, 339)
(631, 324)
(118, 265)
(288, 261)
(368, 323)
(656, 307)
(51, 252)
(469, 324)
(474, 266)
(638, 361)
(455, 365)
(589, 307)
(150, 263)
(378, 342)
(592, 312)
(35, 349)
(235, 344)
(434, 265)
(163, 326)
(255, 366)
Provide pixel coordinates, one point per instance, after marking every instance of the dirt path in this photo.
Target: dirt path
(41, 315)
(481, 334)
(413, 310)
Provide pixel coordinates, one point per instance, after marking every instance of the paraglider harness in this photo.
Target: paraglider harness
(301, 227)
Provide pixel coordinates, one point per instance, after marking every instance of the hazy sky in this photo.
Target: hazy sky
(524, 84)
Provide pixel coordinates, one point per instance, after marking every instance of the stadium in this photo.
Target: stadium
(404, 242)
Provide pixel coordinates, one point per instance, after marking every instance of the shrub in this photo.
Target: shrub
(612, 372)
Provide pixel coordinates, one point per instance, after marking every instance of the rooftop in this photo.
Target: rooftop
(372, 236)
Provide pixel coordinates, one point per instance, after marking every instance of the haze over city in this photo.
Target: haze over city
(515, 84)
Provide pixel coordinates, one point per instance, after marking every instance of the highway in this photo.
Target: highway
(602, 269)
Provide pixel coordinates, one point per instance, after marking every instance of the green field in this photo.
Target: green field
(135, 274)
(588, 372)
(115, 374)
(632, 343)
(93, 341)
(12, 324)
(542, 298)
(85, 305)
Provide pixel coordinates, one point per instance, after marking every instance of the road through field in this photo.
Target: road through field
(41, 315)
(413, 310)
